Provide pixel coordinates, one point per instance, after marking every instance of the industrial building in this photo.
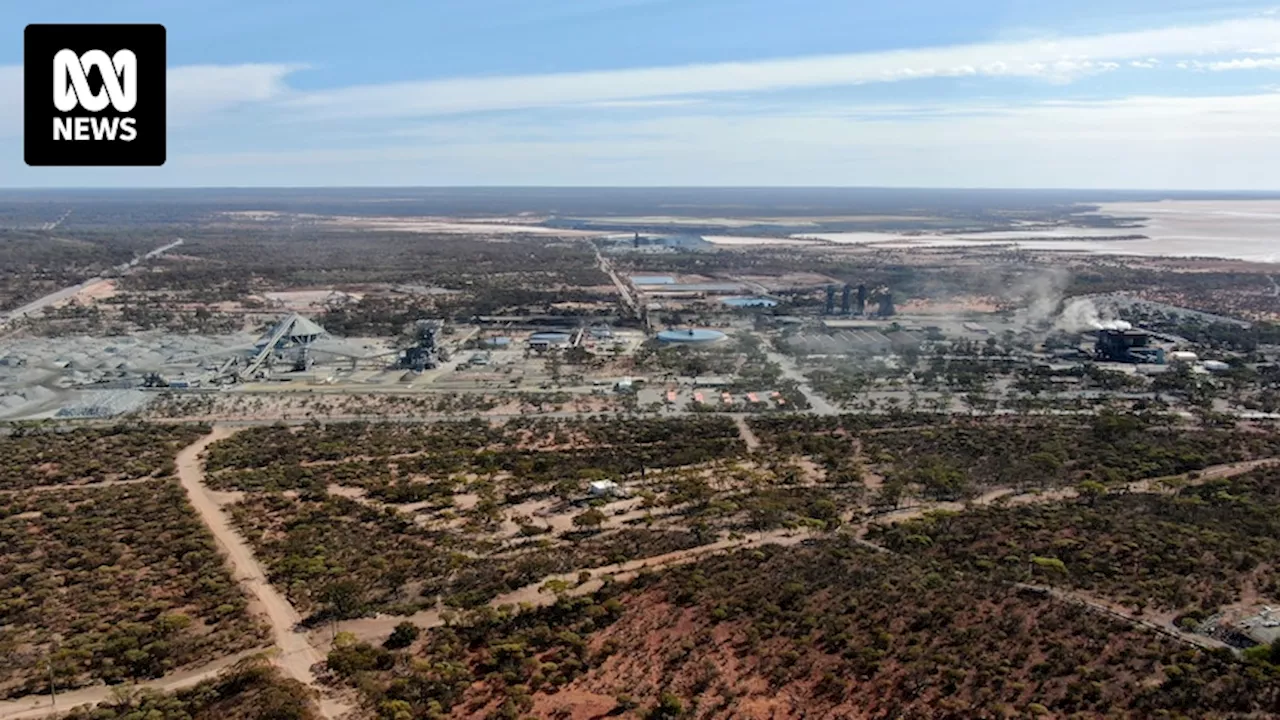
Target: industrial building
(853, 301)
(1127, 346)
(295, 329)
(639, 280)
(750, 302)
(886, 304)
(542, 341)
(425, 353)
(633, 242)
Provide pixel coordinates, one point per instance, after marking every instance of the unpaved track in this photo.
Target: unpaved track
(37, 706)
(818, 405)
(1121, 613)
(379, 627)
(296, 655)
(1150, 485)
(85, 486)
(1213, 472)
(744, 430)
(1011, 497)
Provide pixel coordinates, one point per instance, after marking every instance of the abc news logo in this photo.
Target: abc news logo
(107, 105)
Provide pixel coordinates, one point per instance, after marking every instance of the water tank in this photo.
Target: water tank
(690, 336)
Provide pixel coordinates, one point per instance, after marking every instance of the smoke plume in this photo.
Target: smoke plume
(1082, 315)
(1042, 294)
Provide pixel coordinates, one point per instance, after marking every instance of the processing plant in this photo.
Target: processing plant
(425, 353)
(1127, 346)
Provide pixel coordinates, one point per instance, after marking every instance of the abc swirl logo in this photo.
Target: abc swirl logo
(71, 89)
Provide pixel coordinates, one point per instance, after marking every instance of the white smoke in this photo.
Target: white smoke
(1044, 293)
(1039, 294)
(1082, 315)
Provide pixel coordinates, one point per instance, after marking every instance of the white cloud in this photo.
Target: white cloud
(194, 91)
(669, 102)
(1060, 59)
(1266, 63)
(1206, 142)
(197, 91)
(10, 100)
(1226, 142)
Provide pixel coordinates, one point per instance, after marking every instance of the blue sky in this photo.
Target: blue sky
(928, 93)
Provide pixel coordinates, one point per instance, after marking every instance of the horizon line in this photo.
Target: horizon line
(939, 188)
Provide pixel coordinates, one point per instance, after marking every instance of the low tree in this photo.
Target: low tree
(1091, 490)
(343, 599)
(402, 636)
(669, 707)
(590, 520)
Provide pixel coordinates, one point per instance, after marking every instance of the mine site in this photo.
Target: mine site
(639, 453)
(340, 316)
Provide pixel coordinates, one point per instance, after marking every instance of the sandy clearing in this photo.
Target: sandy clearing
(350, 493)
(89, 294)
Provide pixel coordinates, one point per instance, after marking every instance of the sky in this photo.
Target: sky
(1144, 94)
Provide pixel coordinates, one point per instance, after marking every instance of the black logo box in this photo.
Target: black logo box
(41, 43)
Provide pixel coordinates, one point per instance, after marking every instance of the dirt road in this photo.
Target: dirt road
(1150, 485)
(59, 296)
(296, 655)
(1213, 472)
(379, 627)
(1011, 497)
(38, 706)
(85, 486)
(623, 292)
(744, 430)
(1124, 614)
(818, 404)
